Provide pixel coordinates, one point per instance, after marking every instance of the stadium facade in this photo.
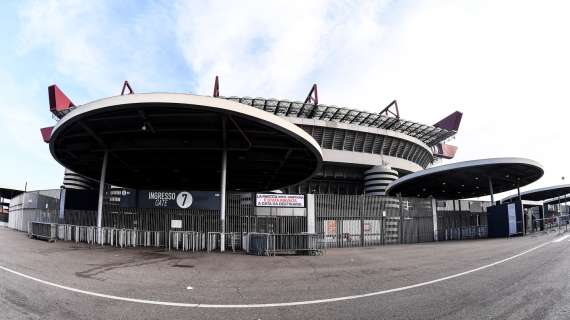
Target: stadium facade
(354, 141)
(362, 151)
(331, 165)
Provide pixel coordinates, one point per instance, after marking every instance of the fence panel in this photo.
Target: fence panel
(361, 220)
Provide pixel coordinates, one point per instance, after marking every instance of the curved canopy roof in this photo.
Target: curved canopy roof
(9, 193)
(558, 199)
(468, 179)
(175, 141)
(430, 135)
(542, 193)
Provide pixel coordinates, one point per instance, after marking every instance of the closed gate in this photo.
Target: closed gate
(241, 217)
(360, 220)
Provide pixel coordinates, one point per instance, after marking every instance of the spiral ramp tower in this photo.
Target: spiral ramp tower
(377, 179)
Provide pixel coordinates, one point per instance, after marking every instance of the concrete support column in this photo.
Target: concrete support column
(102, 189)
(401, 231)
(102, 193)
(491, 191)
(223, 201)
(61, 218)
(311, 213)
(523, 214)
(434, 213)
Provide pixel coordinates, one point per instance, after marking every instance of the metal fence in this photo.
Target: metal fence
(462, 233)
(46, 231)
(111, 236)
(268, 244)
(360, 220)
(186, 241)
(461, 219)
(339, 221)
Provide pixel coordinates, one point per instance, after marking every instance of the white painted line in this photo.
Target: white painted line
(278, 304)
(561, 238)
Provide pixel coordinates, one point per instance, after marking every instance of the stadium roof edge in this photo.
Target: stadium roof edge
(430, 135)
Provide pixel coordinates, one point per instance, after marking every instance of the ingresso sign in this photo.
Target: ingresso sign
(280, 200)
(171, 199)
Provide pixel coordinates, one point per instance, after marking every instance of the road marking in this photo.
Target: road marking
(278, 304)
(561, 238)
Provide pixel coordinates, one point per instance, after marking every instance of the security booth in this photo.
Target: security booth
(505, 220)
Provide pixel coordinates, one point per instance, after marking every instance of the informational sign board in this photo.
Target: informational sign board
(330, 227)
(126, 197)
(176, 224)
(512, 215)
(280, 200)
(170, 199)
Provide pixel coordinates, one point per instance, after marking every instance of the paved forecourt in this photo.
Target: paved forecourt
(192, 279)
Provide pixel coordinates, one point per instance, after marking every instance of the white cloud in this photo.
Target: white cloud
(275, 49)
(97, 45)
(503, 63)
(25, 157)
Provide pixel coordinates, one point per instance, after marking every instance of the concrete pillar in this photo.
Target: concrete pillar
(101, 195)
(491, 191)
(61, 218)
(434, 213)
(102, 189)
(223, 202)
(311, 213)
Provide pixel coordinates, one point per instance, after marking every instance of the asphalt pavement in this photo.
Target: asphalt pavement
(517, 278)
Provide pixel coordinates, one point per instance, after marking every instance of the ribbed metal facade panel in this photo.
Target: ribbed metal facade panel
(349, 140)
(377, 178)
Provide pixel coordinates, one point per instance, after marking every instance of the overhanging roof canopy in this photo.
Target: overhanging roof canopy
(559, 199)
(175, 141)
(468, 179)
(9, 193)
(542, 193)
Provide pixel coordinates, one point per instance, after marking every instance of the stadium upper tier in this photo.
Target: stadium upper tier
(350, 141)
(430, 135)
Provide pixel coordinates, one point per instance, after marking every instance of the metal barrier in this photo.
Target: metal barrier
(42, 230)
(186, 240)
(295, 244)
(266, 244)
(110, 236)
(233, 241)
(258, 243)
(552, 223)
(463, 233)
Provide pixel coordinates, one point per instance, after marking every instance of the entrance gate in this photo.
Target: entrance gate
(241, 217)
(360, 220)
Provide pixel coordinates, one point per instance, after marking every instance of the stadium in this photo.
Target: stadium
(192, 172)
(362, 151)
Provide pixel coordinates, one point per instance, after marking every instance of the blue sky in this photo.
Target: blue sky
(503, 63)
